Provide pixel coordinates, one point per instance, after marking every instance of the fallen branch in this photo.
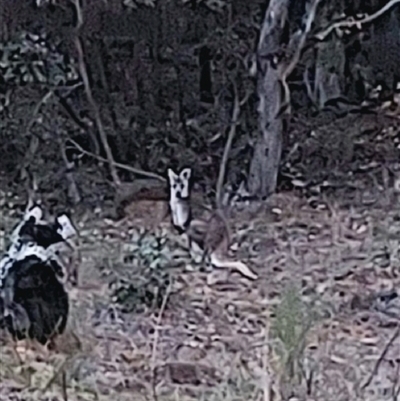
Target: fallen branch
(351, 22)
(237, 265)
(117, 165)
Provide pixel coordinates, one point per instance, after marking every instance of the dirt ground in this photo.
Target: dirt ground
(215, 340)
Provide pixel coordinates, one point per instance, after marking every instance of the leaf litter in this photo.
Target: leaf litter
(313, 326)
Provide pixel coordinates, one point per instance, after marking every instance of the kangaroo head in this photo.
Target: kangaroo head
(179, 198)
(65, 227)
(179, 183)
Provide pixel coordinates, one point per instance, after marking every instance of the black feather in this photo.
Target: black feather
(41, 234)
(33, 302)
(36, 289)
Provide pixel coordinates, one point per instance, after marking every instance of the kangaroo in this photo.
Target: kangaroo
(179, 202)
(210, 233)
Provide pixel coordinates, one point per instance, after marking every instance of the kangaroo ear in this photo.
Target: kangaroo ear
(172, 176)
(186, 173)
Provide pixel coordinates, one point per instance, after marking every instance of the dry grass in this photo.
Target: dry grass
(307, 329)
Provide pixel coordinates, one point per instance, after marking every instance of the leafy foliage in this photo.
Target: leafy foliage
(145, 275)
(293, 320)
(31, 58)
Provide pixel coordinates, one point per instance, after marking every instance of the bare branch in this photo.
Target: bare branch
(36, 110)
(351, 22)
(34, 141)
(118, 165)
(296, 57)
(92, 102)
(237, 103)
(73, 191)
(228, 145)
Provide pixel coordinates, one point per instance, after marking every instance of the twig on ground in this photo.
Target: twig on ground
(268, 380)
(58, 371)
(117, 165)
(380, 359)
(64, 385)
(396, 384)
(155, 342)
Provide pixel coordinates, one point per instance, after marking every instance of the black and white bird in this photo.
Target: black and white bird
(33, 301)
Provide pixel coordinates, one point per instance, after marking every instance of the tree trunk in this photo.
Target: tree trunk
(267, 152)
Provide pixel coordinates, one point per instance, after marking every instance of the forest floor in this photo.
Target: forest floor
(223, 340)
